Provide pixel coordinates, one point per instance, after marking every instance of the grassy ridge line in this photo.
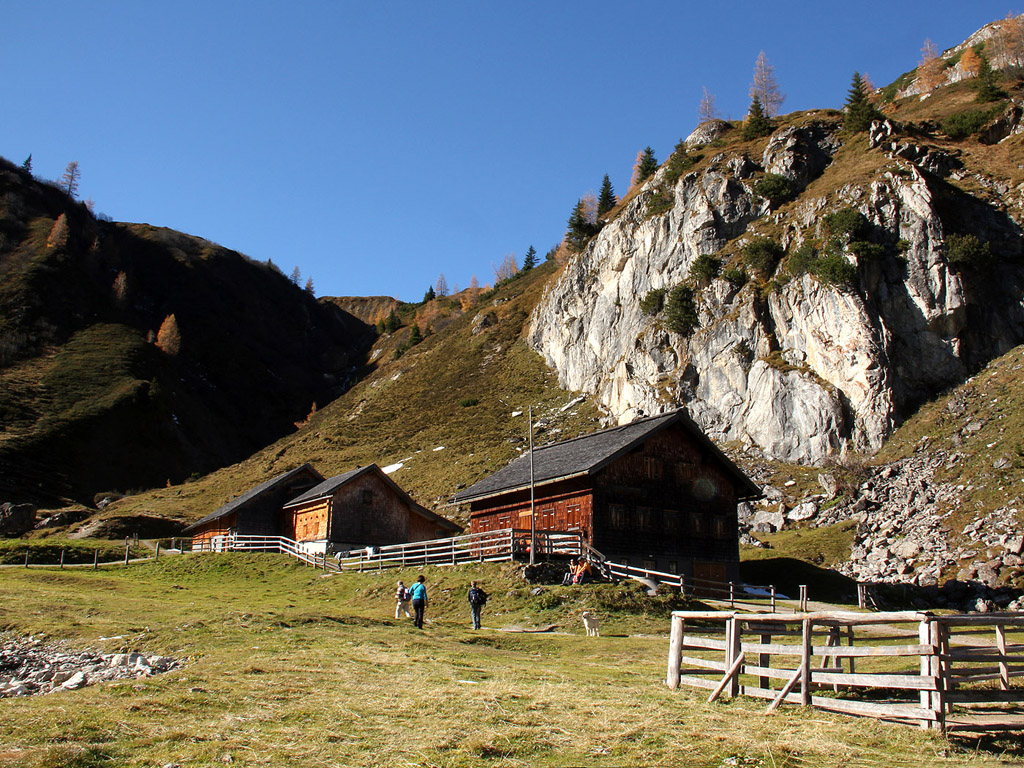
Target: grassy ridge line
(287, 666)
(408, 411)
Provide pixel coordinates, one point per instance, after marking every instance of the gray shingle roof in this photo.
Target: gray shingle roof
(251, 494)
(588, 454)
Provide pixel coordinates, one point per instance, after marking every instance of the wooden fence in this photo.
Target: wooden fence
(477, 547)
(950, 673)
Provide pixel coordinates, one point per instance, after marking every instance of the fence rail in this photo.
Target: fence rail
(932, 671)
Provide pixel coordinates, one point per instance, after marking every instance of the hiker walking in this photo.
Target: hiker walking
(418, 593)
(402, 598)
(477, 599)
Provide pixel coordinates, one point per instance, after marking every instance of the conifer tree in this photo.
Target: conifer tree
(415, 335)
(645, 166)
(69, 181)
(581, 229)
(765, 87)
(988, 88)
(168, 338)
(706, 110)
(757, 123)
(606, 199)
(530, 260)
(429, 295)
(859, 111)
(27, 165)
(392, 324)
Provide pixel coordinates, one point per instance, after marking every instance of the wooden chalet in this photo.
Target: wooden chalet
(256, 512)
(654, 494)
(357, 509)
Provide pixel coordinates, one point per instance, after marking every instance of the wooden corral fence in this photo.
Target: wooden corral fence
(476, 547)
(951, 673)
(730, 591)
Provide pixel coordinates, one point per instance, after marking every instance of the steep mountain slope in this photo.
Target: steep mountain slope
(92, 399)
(449, 410)
(836, 281)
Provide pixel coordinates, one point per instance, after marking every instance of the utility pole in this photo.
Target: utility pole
(533, 506)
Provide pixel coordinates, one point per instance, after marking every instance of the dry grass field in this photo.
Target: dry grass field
(287, 666)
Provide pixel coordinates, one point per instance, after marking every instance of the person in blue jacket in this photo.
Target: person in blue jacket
(418, 592)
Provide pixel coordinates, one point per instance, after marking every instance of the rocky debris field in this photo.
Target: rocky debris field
(30, 666)
(903, 533)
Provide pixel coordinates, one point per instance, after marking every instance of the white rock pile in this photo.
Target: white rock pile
(30, 666)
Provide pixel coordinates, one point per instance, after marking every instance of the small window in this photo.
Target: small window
(650, 565)
(645, 518)
(697, 524)
(652, 468)
(367, 497)
(616, 516)
(720, 527)
(673, 566)
(671, 521)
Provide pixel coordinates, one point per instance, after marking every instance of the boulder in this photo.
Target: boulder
(828, 484)
(707, 132)
(768, 521)
(16, 519)
(804, 511)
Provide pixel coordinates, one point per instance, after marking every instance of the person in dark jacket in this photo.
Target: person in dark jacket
(418, 593)
(477, 599)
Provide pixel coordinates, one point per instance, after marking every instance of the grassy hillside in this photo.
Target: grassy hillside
(93, 398)
(443, 409)
(288, 666)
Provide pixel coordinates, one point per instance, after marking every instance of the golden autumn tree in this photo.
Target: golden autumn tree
(930, 74)
(970, 63)
(168, 338)
(58, 232)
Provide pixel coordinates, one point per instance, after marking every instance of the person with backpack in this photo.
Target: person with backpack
(402, 598)
(477, 600)
(418, 594)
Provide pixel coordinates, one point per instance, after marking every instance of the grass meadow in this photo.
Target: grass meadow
(288, 666)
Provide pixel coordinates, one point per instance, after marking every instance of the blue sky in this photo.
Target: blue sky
(376, 145)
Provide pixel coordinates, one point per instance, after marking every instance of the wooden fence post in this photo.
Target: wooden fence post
(95, 559)
(805, 661)
(127, 550)
(1004, 667)
(773, 598)
(803, 598)
(26, 558)
(927, 634)
(157, 557)
(675, 651)
(732, 595)
(736, 654)
(62, 559)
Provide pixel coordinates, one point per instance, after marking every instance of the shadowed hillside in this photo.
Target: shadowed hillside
(100, 391)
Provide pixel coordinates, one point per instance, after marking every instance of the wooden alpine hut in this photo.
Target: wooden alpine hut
(656, 494)
(257, 512)
(360, 508)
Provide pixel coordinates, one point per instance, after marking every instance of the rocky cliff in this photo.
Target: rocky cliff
(792, 361)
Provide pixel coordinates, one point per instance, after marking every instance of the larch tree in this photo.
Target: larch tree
(168, 338)
(706, 110)
(590, 208)
(69, 181)
(970, 63)
(507, 269)
(441, 287)
(765, 87)
(295, 276)
(309, 287)
(58, 232)
(606, 199)
(120, 287)
(930, 74)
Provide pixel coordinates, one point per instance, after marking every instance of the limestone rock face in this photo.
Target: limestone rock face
(804, 369)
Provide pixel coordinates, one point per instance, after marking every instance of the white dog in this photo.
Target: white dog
(592, 624)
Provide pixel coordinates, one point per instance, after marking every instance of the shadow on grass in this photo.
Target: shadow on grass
(787, 574)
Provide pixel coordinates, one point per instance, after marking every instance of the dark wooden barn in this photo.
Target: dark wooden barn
(360, 508)
(257, 512)
(655, 494)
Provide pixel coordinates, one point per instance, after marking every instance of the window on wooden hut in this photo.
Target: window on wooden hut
(671, 521)
(616, 516)
(720, 527)
(645, 518)
(652, 467)
(697, 524)
(673, 566)
(650, 565)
